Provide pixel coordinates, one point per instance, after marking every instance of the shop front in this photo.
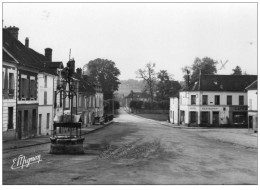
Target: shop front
(238, 115)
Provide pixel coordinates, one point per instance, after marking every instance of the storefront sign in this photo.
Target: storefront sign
(209, 108)
(240, 108)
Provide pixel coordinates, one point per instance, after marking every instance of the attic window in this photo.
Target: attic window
(215, 82)
(221, 86)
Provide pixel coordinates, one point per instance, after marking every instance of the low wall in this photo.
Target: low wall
(151, 111)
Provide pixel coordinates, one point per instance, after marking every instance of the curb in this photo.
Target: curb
(168, 125)
(104, 125)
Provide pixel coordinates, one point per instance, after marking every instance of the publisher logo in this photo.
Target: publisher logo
(23, 161)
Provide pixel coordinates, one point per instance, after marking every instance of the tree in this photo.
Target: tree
(166, 87)
(206, 65)
(237, 71)
(105, 73)
(149, 76)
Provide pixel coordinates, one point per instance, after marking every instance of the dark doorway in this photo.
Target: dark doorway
(25, 124)
(215, 118)
(34, 122)
(19, 124)
(250, 122)
(40, 124)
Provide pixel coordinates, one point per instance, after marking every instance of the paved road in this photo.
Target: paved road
(138, 151)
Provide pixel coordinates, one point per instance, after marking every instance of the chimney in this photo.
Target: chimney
(48, 54)
(13, 30)
(79, 72)
(27, 42)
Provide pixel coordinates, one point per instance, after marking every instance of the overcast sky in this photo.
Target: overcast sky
(170, 35)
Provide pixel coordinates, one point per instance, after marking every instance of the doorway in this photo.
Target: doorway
(215, 118)
(40, 124)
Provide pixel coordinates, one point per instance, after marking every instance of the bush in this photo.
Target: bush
(136, 104)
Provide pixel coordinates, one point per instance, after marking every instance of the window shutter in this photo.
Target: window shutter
(26, 88)
(45, 98)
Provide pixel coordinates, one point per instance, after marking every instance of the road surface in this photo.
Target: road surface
(134, 150)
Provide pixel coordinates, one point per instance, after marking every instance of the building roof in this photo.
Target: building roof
(136, 95)
(26, 56)
(21, 53)
(252, 86)
(7, 57)
(233, 83)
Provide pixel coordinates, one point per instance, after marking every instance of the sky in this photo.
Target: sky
(171, 35)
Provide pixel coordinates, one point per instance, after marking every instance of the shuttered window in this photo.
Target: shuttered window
(25, 88)
(33, 89)
(45, 97)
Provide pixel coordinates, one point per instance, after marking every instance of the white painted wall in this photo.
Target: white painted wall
(44, 110)
(185, 97)
(174, 109)
(252, 100)
(49, 88)
(48, 108)
(9, 102)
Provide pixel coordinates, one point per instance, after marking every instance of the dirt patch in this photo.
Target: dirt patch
(145, 150)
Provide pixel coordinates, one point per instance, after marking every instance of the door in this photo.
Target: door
(40, 124)
(250, 122)
(25, 125)
(19, 124)
(215, 118)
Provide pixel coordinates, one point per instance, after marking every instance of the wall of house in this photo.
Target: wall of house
(9, 101)
(225, 111)
(174, 110)
(252, 100)
(45, 97)
(43, 128)
(185, 97)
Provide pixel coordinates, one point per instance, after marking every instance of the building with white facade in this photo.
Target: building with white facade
(9, 82)
(252, 106)
(215, 100)
(174, 110)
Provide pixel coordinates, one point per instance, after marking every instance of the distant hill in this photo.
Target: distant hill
(131, 84)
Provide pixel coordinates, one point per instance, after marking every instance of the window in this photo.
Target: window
(217, 100)
(48, 121)
(193, 99)
(11, 83)
(10, 118)
(45, 97)
(24, 88)
(229, 100)
(33, 89)
(241, 100)
(3, 80)
(45, 81)
(80, 101)
(205, 100)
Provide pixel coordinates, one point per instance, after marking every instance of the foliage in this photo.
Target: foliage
(237, 71)
(166, 87)
(136, 104)
(206, 65)
(149, 76)
(105, 73)
(108, 105)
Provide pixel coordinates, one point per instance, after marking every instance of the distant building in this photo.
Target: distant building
(215, 100)
(141, 96)
(252, 106)
(174, 110)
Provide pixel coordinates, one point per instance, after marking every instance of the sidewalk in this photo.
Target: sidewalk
(14, 144)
